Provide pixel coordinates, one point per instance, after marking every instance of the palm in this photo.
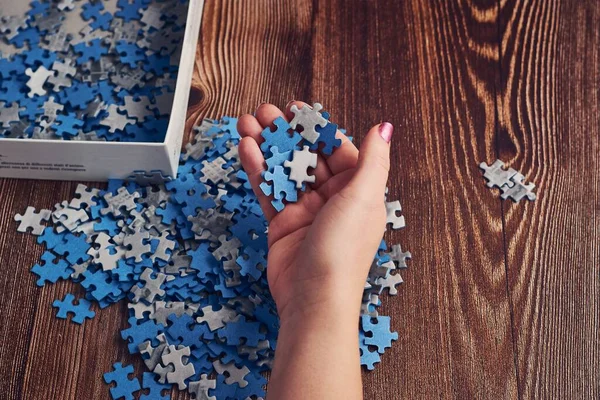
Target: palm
(294, 255)
(298, 259)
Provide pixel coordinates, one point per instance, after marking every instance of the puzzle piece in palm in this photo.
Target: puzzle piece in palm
(280, 137)
(32, 220)
(308, 118)
(302, 160)
(327, 137)
(280, 188)
(80, 311)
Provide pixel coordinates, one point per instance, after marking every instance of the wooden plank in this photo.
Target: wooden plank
(431, 69)
(549, 129)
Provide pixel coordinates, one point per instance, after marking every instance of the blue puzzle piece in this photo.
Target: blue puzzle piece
(203, 261)
(278, 158)
(129, 9)
(92, 50)
(130, 53)
(150, 382)
(74, 248)
(137, 334)
(379, 330)
(368, 358)
(80, 312)
(235, 331)
(99, 284)
(49, 271)
(327, 140)
(281, 187)
(280, 137)
(67, 125)
(125, 387)
(38, 9)
(50, 238)
(250, 260)
(251, 230)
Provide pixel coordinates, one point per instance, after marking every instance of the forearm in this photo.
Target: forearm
(317, 357)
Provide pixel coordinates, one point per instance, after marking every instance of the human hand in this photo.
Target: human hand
(321, 247)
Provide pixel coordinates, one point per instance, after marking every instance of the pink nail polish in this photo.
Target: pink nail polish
(385, 131)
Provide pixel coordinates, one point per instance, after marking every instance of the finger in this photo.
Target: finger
(266, 114)
(254, 165)
(342, 158)
(373, 167)
(248, 125)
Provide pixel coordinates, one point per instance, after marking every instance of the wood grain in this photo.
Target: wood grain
(501, 300)
(549, 127)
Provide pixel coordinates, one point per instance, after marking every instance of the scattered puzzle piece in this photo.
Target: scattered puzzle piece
(124, 387)
(80, 311)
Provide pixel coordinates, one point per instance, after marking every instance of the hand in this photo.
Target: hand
(321, 248)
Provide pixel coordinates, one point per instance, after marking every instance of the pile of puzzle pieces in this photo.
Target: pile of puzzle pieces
(189, 256)
(114, 79)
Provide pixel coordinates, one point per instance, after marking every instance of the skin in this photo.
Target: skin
(320, 251)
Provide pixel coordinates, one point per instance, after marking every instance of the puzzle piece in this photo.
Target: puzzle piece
(36, 80)
(327, 137)
(519, 190)
(9, 114)
(155, 388)
(80, 311)
(302, 160)
(379, 328)
(281, 186)
(50, 271)
(201, 387)
(182, 370)
(125, 387)
(151, 288)
(308, 118)
(392, 209)
(280, 137)
(123, 199)
(496, 175)
(32, 221)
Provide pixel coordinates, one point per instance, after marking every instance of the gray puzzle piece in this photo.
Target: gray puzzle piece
(309, 118)
(496, 175)
(519, 190)
(392, 209)
(32, 220)
(182, 369)
(200, 388)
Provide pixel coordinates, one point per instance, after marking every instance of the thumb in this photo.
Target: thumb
(373, 166)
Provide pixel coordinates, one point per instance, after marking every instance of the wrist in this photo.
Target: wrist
(322, 307)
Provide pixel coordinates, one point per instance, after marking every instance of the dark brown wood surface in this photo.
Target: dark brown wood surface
(501, 300)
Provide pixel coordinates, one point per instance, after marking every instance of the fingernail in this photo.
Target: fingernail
(261, 103)
(289, 104)
(386, 130)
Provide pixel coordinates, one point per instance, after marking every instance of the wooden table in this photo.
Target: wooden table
(501, 300)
